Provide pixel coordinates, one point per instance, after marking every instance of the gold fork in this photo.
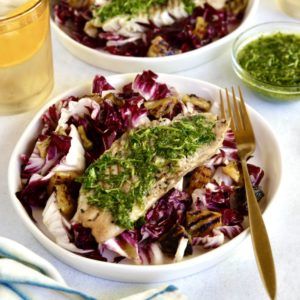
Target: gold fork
(244, 135)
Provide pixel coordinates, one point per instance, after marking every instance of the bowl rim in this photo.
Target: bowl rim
(237, 47)
(51, 246)
(250, 10)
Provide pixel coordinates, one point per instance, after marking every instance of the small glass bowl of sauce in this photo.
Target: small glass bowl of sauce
(266, 57)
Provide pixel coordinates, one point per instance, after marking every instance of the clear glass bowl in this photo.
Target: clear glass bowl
(270, 91)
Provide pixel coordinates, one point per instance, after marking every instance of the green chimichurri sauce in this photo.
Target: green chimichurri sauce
(118, 181)
(273, 59)
(132, 8)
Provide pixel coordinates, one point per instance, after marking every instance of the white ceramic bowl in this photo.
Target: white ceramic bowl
(267, 156)
(167, 64)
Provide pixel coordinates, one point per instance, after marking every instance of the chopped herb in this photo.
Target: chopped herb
(118, 181)
(273, 59)
(189, 6)
(132, 8)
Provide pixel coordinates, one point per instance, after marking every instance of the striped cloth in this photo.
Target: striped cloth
(26, 276)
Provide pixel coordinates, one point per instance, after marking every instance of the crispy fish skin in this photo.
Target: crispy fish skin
(101, 222)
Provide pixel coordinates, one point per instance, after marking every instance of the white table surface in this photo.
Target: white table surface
(234, 278)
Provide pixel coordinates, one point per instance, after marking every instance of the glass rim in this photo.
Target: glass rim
(20, 14)
(29, 15)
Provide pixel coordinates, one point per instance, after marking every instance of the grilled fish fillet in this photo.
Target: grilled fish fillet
(130, 26)
(101, 221)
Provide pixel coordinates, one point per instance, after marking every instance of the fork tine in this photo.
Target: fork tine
(246, 119)
(237, 108)
(222, 108)
(232, 123)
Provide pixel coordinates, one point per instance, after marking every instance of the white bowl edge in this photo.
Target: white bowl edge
(167, 64)
(129, 273)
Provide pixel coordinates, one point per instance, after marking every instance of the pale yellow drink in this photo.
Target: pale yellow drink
(26, 72)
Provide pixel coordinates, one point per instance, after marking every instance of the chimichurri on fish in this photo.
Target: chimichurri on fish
(140, 167)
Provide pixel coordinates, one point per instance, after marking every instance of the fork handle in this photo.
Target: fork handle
(260, 240)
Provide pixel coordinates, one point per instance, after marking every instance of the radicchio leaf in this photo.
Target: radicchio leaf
(221, 178)
(78, 109)
(51, 116)
(125, 245)
(82, 237)
(148, 87)
(132, 112)
(210, 241)
(226, 153)
(256, 174)
(35, 162)
(238, 199)
(231, 217)
(74, 160)
(167, 211)
(213, 197)
(58, 148)
(150, 254)
(58, 226)
(50, 119)
(100, 84)
(35, 192)
(231, 231)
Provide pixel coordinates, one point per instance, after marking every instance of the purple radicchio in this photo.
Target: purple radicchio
(210, 241)
(150, 254)
(52, 115)
(168, 211)
(55, 148)
(78, 109)
(125, 245)
(100, 84)
(58, 226)
(133, 113)
(214, 197)
(82, 237)
(58, 148)
(74, 160)
(35, 162)
(148, 87)
(231, 217)
(35, 192)
(228, 152)
(256, 174)
(180, 36)
(231, 231)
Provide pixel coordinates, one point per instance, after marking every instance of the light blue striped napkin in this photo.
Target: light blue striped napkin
(26, 276)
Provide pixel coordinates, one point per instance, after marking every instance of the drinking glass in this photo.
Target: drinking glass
(26, 69)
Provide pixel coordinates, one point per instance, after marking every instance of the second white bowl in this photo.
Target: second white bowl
(166, 64)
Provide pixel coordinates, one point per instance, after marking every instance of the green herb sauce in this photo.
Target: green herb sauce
(148, 153)
(132, 8)
(273, 59)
